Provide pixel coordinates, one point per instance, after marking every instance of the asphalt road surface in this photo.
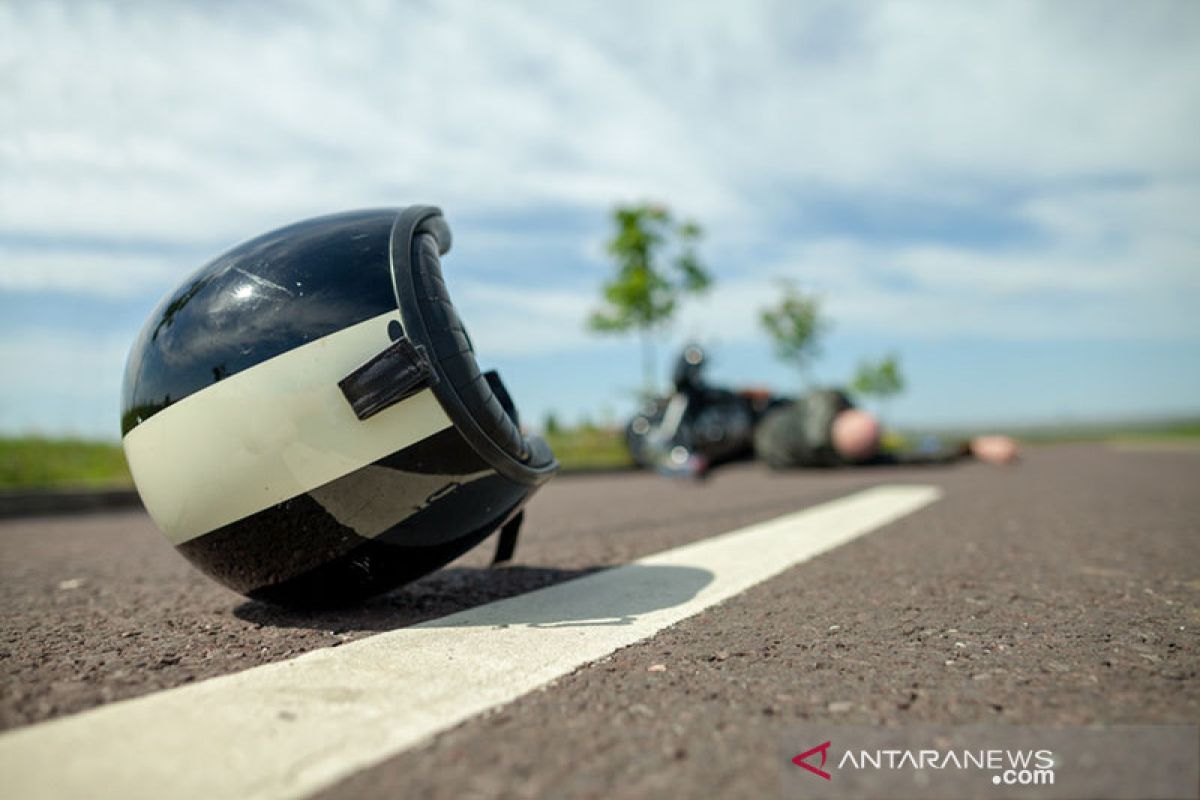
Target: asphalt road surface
(1064, 590)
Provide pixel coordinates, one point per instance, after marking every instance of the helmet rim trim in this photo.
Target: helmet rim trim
(428, 219)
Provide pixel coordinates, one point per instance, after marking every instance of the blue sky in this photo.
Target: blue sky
(1005, 194)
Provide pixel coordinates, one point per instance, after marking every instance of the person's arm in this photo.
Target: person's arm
(933, 450)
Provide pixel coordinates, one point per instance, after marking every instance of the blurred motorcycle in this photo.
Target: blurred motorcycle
(698, 426)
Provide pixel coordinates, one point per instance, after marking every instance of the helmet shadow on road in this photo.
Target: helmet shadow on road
(464, 596)
(609, 597)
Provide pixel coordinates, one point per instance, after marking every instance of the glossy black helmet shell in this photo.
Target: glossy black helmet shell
(305, 419)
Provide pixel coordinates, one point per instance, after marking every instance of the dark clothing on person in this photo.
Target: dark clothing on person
(800, 434)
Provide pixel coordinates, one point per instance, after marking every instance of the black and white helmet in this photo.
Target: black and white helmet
(305, 420)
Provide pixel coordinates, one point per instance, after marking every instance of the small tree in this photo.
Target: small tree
(656, 265)
(551, 425)
(796, 327)
(882, 379)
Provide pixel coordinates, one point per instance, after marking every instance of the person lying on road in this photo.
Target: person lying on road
(823, 429)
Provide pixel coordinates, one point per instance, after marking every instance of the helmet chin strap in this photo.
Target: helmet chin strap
(506, 544)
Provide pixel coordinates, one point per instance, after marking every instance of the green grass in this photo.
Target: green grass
(30, 462)
(589, 448)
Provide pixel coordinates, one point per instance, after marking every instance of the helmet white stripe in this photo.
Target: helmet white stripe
(366, 502)
(269, 433)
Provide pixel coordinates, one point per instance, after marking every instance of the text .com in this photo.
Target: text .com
(1024, 777)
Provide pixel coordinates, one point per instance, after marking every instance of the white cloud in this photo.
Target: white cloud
(920, 95)
(198, 123)
(130, 130)
(166, 122)
(85, 272)
(1123, 264)
(508, 321)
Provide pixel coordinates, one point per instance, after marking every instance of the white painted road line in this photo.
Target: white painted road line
(287, 729)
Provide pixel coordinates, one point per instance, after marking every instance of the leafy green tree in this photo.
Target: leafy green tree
(795, 326)
(552, 426)
(882, 379)
(656, 265)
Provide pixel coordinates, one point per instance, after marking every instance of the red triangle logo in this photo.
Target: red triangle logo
(800, 760)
